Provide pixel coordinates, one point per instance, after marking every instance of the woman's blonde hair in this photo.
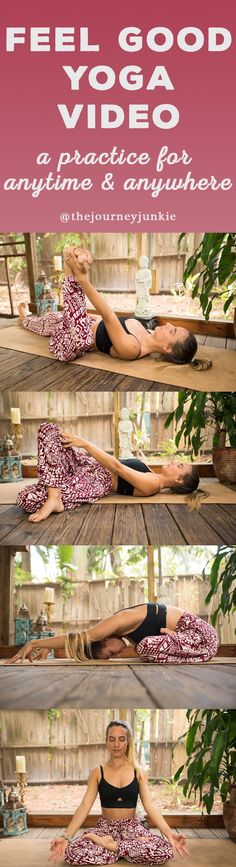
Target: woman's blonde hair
(130, 751)
(78, 647)
(189, 486)
(194, 500)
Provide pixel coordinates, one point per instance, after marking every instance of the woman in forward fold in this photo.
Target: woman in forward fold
(150, 631)
(68, 478)
(73, 332)
(119, 833)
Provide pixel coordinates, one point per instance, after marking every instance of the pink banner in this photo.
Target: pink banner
(117, 118)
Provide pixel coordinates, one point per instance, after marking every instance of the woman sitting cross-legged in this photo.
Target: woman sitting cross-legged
(150, 631)
(119, 833)
(74, 332)
(68, 478)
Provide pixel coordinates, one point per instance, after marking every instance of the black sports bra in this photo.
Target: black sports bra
(124, 487)
(103, 341)
(152, 624)
(112, 797)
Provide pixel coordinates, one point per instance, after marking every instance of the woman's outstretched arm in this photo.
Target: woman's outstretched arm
(84, 808)
(146, 483)
(177, 841)
(109, 461)
(117, 623)
(60, 844)
(57, 642)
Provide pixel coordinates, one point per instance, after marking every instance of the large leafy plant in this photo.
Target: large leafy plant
(211, 755)
(196, 410)
(222, 581)
(215, 259)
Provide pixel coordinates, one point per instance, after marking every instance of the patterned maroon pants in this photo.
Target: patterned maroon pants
(80, 478)
(194, 640)
(70, 332)
(135, 844)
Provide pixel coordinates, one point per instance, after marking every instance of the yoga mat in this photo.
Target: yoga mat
(217, 660)
(221, 377)
(23, 852)
(217, 493)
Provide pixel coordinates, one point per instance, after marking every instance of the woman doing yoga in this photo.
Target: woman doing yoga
(68, 478)
(119, 833)
(150, 631)
(73, 332)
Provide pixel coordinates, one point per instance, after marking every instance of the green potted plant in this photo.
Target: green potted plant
(197, 410)
(222, 581)
(210, 766)
(215, 259)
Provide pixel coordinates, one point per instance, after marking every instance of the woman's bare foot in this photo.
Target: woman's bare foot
(107, 842)
(53, 504)
(23, 312)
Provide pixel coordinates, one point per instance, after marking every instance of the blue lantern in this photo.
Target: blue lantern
(23, 625)
(43, 295)
(14, 816)
(10, 461)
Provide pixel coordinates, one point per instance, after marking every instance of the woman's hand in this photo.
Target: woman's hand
(167, 631)
(69, 439)
(40, 653)
(58, 848)
(83, 255)
(26, 651)
(66, 265)
(76, 260)
(177, 841)
(72, 262)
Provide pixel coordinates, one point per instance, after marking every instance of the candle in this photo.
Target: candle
(20, 764)
(49, 594)
(57, 263)
(15, 415)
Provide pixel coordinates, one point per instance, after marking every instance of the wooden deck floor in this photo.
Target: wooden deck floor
(204, 849)
(26, 371)
(149, 523)
(41, 687)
